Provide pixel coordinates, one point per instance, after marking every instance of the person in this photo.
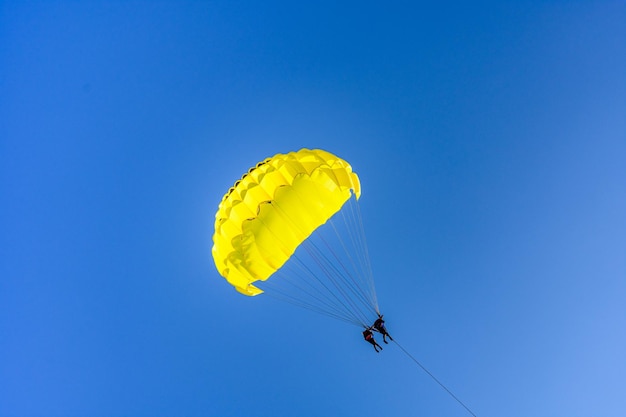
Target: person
(369, 337)
(379, 326)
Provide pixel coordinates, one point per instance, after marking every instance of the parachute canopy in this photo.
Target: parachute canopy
(273, 208)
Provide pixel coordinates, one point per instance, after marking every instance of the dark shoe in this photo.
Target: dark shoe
(386, 341)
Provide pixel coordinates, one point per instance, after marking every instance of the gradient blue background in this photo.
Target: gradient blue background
(490, 138)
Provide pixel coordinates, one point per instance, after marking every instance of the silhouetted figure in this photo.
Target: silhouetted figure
(369, 337)
(379, 326)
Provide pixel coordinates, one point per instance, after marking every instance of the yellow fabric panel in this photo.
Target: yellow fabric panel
(273, 208)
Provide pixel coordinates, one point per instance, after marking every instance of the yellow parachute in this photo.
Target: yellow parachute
(268, 214)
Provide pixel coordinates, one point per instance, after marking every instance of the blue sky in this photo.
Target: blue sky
(490, 140)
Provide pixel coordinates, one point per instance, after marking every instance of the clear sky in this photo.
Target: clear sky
(490, 139)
